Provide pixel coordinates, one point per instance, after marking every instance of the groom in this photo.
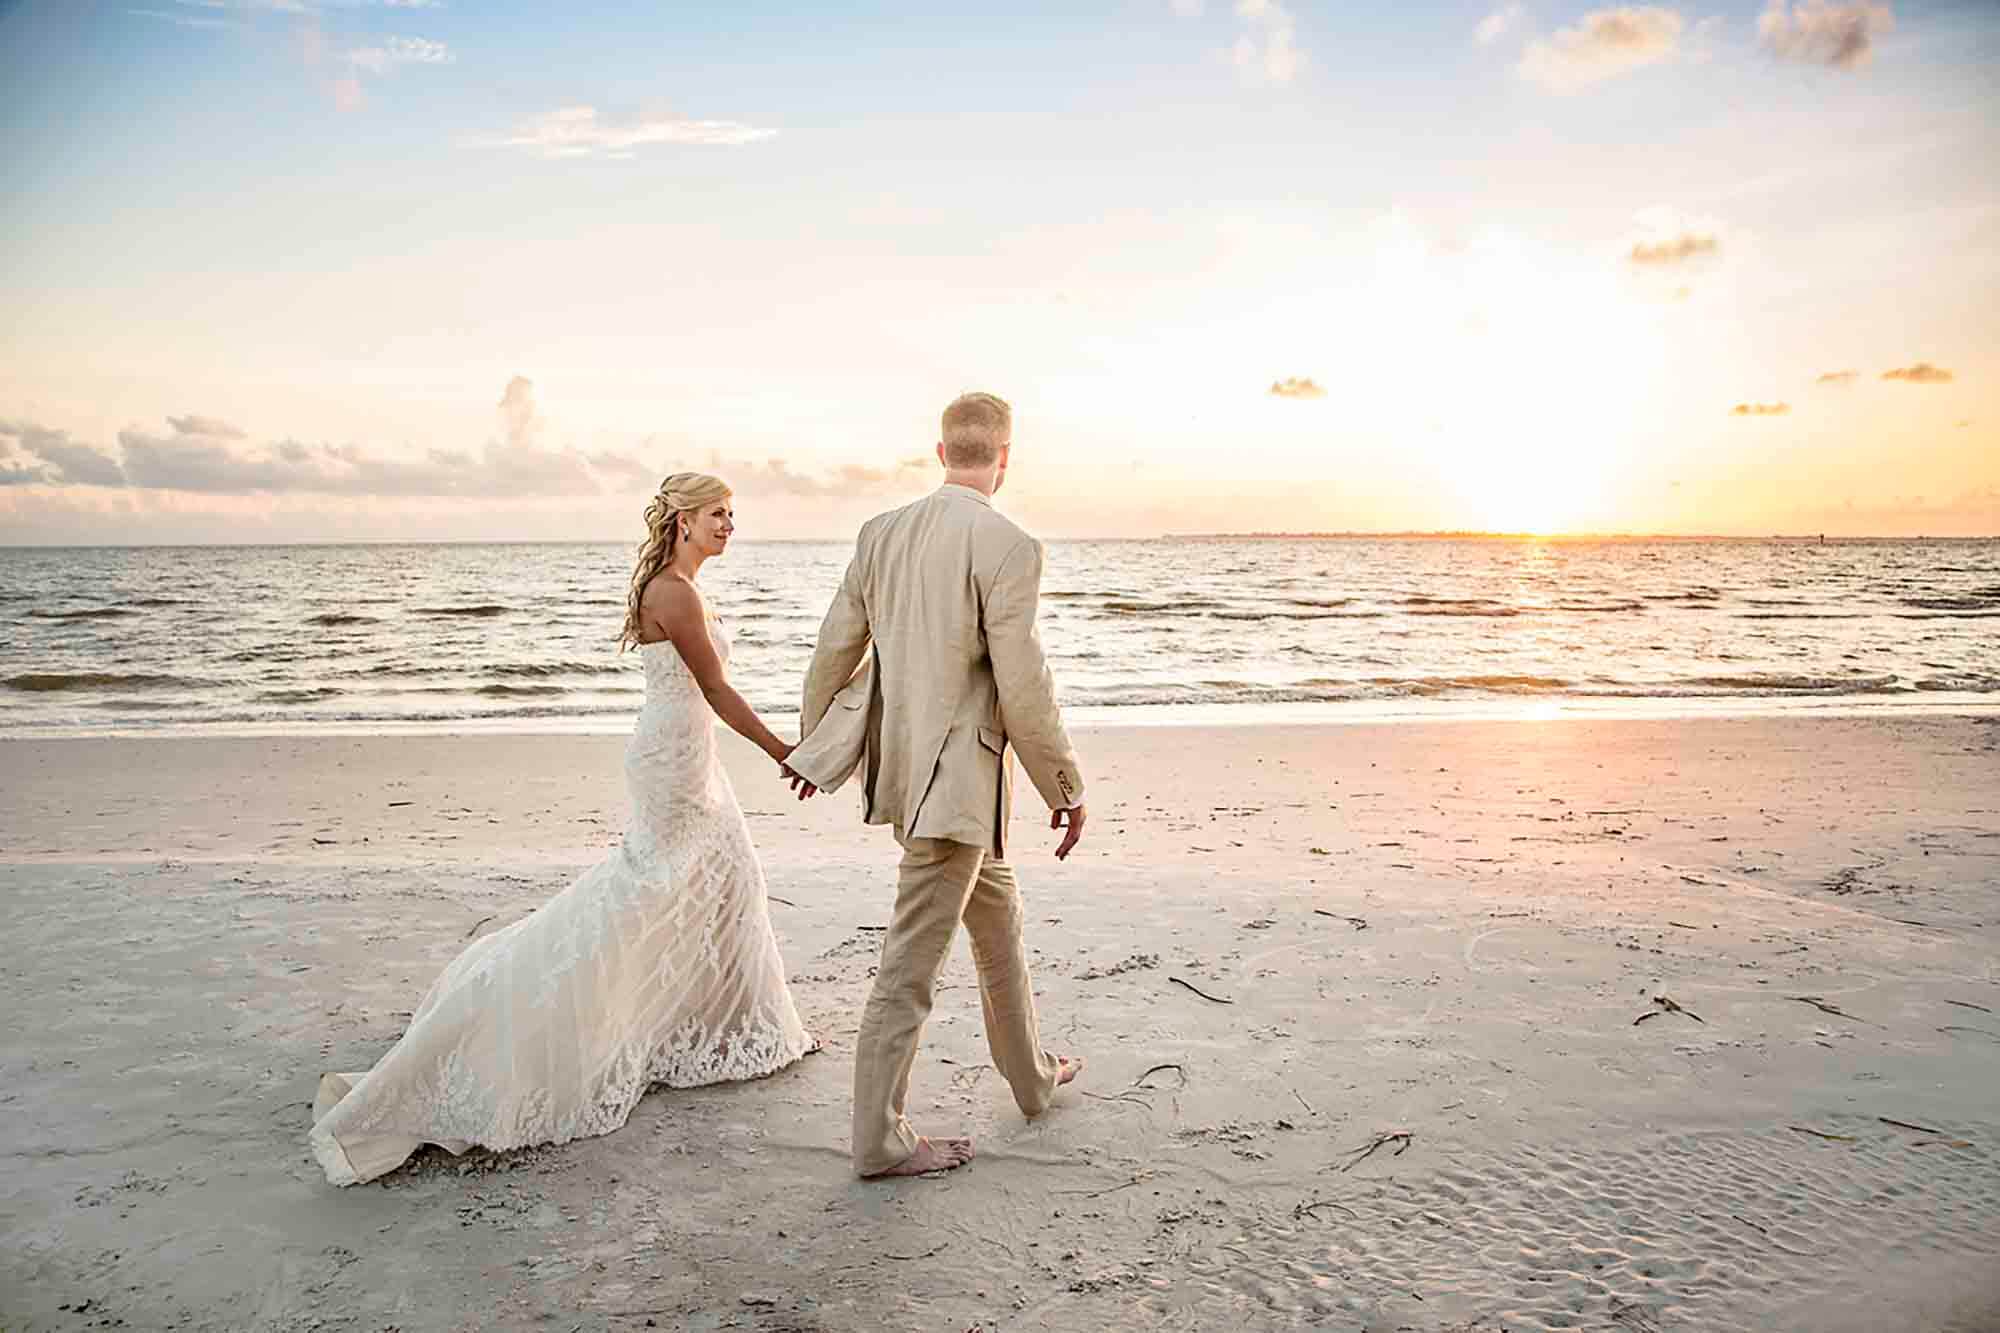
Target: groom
(946, 590)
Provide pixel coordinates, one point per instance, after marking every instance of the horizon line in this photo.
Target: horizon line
(1411, 534)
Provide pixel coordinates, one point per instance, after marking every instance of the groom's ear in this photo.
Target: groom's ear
(940, 454)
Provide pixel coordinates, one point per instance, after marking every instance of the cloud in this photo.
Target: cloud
(1839, 36)
(37, 454)
(1267, 51)
(1921, 373)
(202, 456)
(201, 13)
(578, 131)
(211, 466)
(419, 51)
(1608, 42)
(775, 477)
(518, 414)
(193, 425)
(1296, 388)
(185, 20)
(1495, 25)
(17, 467)
(80, 464)
(1838, 377)
(1670, 248)
(1187, 9)
(400, 51)
(1760, 409)
(610, 463)
(1674, 249)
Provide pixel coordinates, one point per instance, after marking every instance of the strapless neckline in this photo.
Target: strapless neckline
(714, 622)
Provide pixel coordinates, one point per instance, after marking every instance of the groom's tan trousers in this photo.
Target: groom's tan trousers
(939, 884)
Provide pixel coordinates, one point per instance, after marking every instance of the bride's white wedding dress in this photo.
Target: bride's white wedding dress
(655, 966)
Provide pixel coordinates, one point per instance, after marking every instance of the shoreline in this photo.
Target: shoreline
(1317, 713)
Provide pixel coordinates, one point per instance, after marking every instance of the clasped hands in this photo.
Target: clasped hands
(797, 781)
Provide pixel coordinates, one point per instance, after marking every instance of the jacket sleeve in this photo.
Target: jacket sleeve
(1028, 711)
(843, 639)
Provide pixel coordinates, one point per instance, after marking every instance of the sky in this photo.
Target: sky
(326, 270)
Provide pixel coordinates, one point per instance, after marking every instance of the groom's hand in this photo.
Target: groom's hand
(1071, 820)
(804, 788)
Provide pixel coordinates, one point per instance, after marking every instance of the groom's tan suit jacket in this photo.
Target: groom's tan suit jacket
(946, 590)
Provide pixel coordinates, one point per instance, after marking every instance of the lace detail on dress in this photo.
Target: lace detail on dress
(657, 965)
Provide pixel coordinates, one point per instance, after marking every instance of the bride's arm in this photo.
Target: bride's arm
(685, 620)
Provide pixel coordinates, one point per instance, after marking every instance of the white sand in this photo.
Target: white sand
(196, 928)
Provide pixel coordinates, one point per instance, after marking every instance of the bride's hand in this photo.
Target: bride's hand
(798, 782)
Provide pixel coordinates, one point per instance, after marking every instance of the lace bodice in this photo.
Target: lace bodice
(675, 737)
(667, 675)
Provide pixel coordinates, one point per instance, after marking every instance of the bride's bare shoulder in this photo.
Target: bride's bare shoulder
(669, 599)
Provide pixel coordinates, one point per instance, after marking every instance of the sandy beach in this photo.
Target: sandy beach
(1609, 1024)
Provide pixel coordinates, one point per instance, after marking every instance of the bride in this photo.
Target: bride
(655, 966)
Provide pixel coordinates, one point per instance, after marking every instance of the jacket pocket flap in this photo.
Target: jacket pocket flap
(851, 698)
(993, 740)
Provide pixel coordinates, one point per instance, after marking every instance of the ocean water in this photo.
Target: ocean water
(523, 636)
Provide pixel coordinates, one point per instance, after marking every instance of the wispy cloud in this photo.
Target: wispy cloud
(1187, 9)
(1496, 25)
(1840, 36)
(251, 6)
(184, 19)
(1923, 372)
(1838, 377)
(1607, 43)
(1674, 249)
(1296, 388)
(1670, 248)
(400, 51)
(1267, 51)
(1760, 409)
(578, 131)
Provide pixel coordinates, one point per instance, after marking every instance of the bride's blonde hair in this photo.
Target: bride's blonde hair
(682, 493)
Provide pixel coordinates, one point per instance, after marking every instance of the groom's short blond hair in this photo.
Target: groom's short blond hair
(976, 427)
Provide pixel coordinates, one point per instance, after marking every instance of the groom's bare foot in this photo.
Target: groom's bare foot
(931, 1155)
(1071, 1066)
